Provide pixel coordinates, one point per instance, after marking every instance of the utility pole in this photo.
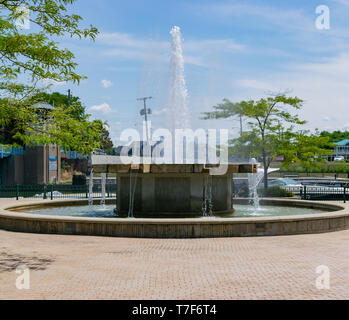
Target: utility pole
(145, 111)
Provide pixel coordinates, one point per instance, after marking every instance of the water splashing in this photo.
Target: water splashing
(207, 205)
(253, 181)
(133, 183)
(178, 111)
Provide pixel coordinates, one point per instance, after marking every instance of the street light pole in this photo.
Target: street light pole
(145, 110)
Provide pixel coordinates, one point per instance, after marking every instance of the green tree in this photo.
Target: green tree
(58, 99)
(305, 148)
(270, 128)
(77, 111)
(35, 57)
(8, 132)
(335, 136)
(107, 144)
(35, 53)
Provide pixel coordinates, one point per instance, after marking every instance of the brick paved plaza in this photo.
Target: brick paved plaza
(78, 267)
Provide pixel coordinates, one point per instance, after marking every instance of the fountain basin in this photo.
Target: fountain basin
(337, 218)
(173, 193)
(169, 188)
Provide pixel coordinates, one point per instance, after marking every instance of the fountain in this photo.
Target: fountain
(180, 190)
(178, 110)
(103, 185)
(254, 180)
(207, 208)
(189, 187)
(133, 184)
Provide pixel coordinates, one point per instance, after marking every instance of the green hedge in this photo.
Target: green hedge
(321, 168)
(274, 192)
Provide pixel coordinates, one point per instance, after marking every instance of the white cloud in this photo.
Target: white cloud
(299, 22)
(104, 108)
(323, 85)
(287, 18)
(125, 53)
(106, 83)
(335, 67)
(127, 40)
(212, 45)
(344, 2)
(256, 84)
(162, 57)
(196, 52)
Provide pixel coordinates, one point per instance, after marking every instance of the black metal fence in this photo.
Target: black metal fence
(61, 191)
(320, 193)
(55, 191)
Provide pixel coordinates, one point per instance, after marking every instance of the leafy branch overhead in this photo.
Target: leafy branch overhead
(31, 57)
(266, 112)
(35, 53)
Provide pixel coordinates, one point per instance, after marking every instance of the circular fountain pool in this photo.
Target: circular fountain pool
(108, 212)
(276, 217)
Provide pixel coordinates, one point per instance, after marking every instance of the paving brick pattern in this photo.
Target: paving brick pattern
(78, 267)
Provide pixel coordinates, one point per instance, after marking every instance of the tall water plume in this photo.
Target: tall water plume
(177, 108)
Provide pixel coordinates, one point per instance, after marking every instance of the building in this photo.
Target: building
(342, 149)
(37, 164)
(30, 165)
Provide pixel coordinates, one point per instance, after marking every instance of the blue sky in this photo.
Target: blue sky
(232, 49)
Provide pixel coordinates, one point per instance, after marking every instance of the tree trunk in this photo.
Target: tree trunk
(265, 167)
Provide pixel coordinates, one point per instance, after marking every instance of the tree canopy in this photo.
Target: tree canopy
(271, 131)
(305, 148)
(107, 144)
(31, 57)
(335, 136)
(36, 54)
(77, 110)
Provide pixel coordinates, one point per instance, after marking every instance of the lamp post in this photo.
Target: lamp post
(145, 112)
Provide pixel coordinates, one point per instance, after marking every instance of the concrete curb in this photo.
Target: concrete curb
(337, 219)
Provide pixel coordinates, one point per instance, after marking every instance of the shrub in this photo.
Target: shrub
(275, 192)
(329, 167)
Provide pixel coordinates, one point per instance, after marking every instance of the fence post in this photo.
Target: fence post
(17, 191)
(45, 191)
(51, 191)
(305, 192)
(344, 195)
(86, 191)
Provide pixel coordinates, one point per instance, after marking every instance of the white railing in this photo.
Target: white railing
(340, 150)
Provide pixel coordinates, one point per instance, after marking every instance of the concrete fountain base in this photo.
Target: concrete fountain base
(173, 193)
(13, 218)
(170, 188)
